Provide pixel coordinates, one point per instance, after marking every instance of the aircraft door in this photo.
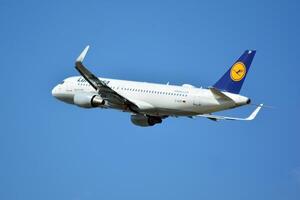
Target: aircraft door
(196, 101)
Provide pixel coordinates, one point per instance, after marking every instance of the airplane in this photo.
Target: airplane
(151, 103)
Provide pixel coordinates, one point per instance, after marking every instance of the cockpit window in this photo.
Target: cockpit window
(62, 82)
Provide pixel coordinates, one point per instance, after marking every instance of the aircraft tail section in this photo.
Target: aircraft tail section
(233, 79)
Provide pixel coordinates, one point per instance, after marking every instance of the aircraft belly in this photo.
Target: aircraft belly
(168, 106)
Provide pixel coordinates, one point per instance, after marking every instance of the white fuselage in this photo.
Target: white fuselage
(154, 99)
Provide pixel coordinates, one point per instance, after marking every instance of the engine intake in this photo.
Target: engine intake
(86, 100)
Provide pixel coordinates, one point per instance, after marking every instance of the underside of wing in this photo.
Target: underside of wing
(101, 87)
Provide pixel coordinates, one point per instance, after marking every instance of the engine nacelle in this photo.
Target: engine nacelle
(142, 120)
(87, 100)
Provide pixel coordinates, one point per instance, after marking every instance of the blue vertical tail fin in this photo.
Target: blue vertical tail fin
(233, 79)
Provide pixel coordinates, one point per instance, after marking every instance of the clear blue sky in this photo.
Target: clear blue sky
(51, 150)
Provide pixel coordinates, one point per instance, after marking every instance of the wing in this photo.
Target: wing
(100, 86)
(216, 117)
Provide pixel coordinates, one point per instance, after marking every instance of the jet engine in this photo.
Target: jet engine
(142, 120)
(87, 100)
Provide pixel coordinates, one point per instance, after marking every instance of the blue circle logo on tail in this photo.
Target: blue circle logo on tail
(238, 71)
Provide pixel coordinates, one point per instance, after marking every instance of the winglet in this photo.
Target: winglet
(83, 53)
(254, 113)
(217, 117)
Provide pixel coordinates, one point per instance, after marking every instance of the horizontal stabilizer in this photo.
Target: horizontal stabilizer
(220, 95)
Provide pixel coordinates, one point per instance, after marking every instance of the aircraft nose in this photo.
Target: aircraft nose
(55, 91)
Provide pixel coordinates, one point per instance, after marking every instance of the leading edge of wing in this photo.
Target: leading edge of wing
(218, 117)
